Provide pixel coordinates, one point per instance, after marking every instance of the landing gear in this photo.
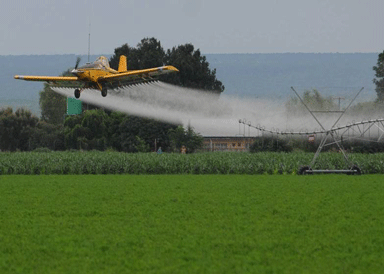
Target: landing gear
(77, 93)
(104, 92)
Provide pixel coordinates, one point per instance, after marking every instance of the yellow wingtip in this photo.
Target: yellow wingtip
(173, 68)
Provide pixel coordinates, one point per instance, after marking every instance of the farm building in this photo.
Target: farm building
(228, 143)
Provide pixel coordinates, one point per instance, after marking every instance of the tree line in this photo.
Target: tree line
(92, 130)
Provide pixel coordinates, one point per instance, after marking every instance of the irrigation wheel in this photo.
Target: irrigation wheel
(303, 169)
(357, 169)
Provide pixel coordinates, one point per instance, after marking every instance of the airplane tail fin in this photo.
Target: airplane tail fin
(122, 63)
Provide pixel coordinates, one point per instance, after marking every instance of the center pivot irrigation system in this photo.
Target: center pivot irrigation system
(355, 130)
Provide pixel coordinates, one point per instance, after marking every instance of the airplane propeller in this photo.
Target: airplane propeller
(77, 62)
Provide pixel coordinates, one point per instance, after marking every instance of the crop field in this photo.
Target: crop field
(95, 162)
(191, 224)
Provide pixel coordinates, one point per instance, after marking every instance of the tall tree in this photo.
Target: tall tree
(194, 69)
(193, 66)
(185, 137)
(53, 106)
(379, 80)
(148, 53)
(16, 129)
(129, 52)
(46, 135)
(127, 129)
(87, 131)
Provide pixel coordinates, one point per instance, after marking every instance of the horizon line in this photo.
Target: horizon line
(222, 53)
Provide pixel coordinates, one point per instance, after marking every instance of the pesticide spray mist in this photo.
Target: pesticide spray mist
(208, 114)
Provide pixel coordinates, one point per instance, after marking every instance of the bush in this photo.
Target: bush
(42, 149)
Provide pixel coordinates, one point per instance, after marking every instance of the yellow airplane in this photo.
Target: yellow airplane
(99, 75)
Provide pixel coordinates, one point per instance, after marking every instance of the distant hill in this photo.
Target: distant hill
(272, 75)
(252, 75)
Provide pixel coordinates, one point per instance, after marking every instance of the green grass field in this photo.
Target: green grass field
(191, 224)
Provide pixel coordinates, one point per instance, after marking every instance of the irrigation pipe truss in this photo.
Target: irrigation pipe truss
(332, 132)
(273, 131)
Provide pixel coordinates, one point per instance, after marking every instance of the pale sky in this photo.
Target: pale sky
(213, 26)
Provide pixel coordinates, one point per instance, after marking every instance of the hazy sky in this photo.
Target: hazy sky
(214, 26)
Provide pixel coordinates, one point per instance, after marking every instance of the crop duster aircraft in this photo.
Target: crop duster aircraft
(99, 75)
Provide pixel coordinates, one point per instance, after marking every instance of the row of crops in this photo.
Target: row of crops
(199, 163)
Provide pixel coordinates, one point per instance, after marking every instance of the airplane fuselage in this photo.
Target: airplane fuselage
(91, 76)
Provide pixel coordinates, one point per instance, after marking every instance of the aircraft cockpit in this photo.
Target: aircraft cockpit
(103, 61)
(100, 63)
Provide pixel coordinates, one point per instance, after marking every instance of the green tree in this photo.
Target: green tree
(96, 129)
(46, 135)
(193, 66)
(142, 146)
(87, 131)
(313, 99)
(53, 106)
(16, 129)
(114, 130)
(185, 137)
(148, 53)
(128, 128)
(194, 69)
(129, 52)
(379, 80)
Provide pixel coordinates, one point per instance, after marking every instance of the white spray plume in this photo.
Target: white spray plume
(208, 114)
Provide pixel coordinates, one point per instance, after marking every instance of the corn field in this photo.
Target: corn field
(95, 162)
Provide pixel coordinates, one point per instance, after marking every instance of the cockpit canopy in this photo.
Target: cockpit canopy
(101, 62)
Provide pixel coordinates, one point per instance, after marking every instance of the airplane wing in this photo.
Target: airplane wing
(45, 78)
(135, 74)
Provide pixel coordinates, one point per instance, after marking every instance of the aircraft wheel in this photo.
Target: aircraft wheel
(104, 92)
(77, 93)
